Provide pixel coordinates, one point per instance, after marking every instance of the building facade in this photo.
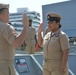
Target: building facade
(16, 18)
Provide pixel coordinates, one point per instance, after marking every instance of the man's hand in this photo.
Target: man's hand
(63, 69)
(25, 20)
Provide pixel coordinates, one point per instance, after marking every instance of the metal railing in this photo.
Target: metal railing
(70, 72)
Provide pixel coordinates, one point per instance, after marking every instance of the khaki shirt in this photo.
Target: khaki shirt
(54, 44)
(7, 36)
(31, 34)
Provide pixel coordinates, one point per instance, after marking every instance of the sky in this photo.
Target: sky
(33, 5)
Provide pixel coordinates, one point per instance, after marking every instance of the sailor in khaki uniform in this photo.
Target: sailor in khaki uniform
(55, 47)
(31, 40)
(9, 40)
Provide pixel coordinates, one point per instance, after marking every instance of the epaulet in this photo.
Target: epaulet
(62, 32)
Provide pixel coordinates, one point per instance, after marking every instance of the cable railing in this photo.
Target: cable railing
(70, 72)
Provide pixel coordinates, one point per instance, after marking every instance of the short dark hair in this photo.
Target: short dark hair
(30, 20)
(10, 23)
(2, 10)
(60, 26)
